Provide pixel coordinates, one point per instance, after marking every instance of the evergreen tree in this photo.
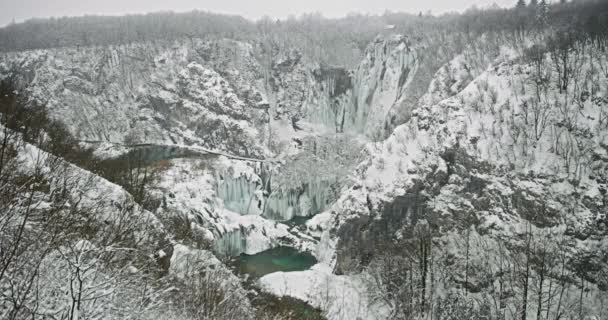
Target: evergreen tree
(520, 4)
(533, 3)
(542, 14)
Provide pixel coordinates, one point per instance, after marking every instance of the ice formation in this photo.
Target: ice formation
(248, 198)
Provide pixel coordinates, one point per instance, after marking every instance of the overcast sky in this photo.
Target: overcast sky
(19, 10)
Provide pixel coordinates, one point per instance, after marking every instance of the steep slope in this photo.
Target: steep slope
(501, 185)
(81, 246)
(215, 94)
(227, 96)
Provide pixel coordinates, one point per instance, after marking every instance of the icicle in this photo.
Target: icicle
(244, 197)
(231, 243)
(239, 195)
(283, 206)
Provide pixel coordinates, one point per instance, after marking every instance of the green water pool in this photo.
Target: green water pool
(273, 260)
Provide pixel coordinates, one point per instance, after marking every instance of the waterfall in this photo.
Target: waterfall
(231, 243)
(245, 197)
(330, 97)
(280, 206)
(239, 195)
(326, 108)
(317, 195)
(374, 89)
(312, 199)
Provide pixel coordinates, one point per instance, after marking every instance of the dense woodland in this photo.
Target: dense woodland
(334, 41)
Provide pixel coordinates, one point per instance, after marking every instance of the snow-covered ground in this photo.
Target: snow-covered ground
(340, 297)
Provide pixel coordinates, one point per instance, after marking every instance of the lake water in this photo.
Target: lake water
(273, 260)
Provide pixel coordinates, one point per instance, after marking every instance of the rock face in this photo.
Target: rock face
(217, 94)
(152, 92)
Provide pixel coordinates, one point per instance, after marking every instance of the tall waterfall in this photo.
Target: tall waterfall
(245, 197)
(240, 195)
(311, 200)
(360, 101)
(231, 243)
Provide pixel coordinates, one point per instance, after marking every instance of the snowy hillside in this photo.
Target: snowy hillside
(511, 165)
(93, 247)
(216, 94)
(457, 171)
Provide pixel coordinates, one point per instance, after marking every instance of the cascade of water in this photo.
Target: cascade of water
(324, 113)
(327, 110)
(331, 85)
(231, 243)
(239, 195)
(283, 206)
(317, 194)
(245, 197)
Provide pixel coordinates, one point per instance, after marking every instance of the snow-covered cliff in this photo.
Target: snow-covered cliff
(490, 155)
(507, 164)
(222, 95)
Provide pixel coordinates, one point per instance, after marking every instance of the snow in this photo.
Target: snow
(106, 200)
(189, 186)
(104, 94)
(212, 106)
(476, 114)
(341, 297)
(186, 262)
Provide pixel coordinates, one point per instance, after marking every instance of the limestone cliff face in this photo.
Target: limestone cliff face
(225, 95)
(148, 92)
(218, 94)
(380, 82)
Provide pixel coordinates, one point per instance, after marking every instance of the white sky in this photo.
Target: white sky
(19, 10)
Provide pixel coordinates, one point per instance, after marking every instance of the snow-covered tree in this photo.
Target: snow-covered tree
(542, 14)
